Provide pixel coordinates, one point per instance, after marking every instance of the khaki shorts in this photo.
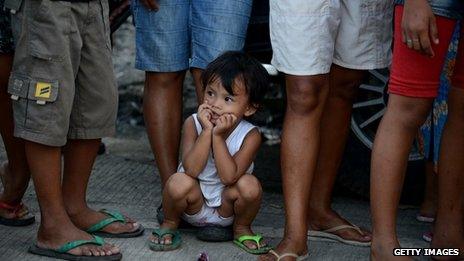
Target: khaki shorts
(62, 82)
(307, 36)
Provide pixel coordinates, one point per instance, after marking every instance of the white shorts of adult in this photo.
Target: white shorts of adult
(307, 36)
(207, 216)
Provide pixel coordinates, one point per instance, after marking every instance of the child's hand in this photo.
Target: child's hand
(224, 124)
(204, 116)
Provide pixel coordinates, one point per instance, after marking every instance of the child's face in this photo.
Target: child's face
(222, 102)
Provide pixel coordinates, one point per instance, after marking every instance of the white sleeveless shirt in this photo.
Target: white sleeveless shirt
(210, 183)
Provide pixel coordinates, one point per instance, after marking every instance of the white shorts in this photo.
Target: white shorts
(207, 216)
(307, 36)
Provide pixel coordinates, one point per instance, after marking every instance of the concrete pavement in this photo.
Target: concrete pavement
(125, 179)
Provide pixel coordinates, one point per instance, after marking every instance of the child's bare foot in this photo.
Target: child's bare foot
(322, 220)
(384, 251)
(287, 246)
(246, 230)
(87, 217)
(60, 234)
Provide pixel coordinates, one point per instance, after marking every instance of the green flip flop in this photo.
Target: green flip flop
(61, 252)
(113, 216)
(255, 238)
(160, 232)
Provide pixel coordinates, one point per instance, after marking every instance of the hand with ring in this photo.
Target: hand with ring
(419, 27)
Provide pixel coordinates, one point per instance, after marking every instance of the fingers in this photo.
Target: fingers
(227, 120)
(434, 30)
(425, 44)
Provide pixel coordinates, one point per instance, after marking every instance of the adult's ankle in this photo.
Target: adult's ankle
(75, 209)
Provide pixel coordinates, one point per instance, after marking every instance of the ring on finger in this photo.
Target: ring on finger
(409, 43)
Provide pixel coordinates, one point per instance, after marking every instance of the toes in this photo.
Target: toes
(167, 240)
(95, 251)
(86, 251)
(154, 239)
(250, 245)
(115, 250)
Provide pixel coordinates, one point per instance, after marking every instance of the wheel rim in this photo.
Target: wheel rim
(369, 107)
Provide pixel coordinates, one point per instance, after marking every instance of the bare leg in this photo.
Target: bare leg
(429, 205)
(79, 158)
(181, 194)
(196, 73)
(243, 200)
(16, 176)
(334, 132)
(306, 96)
(392, 144)
(55, 227)
(449, 227)
(162, 110)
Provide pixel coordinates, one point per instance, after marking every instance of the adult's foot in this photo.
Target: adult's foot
(246, 230)
(88, 217)
(57, 236)
(323, 220)
(384, 251)
(287, 246)
(439, 242)
(13, 210)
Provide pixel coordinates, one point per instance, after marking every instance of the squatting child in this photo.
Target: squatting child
(214, 184)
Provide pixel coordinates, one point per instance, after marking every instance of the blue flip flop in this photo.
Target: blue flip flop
(62, 252)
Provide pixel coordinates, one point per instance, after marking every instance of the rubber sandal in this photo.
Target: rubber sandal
(61, 252)
(160, 232)
(427, 236)
(215, 233)
(256, 239)
(425, 218)
(328, 234)
(113, 216)
(18, 220)
(284, 255)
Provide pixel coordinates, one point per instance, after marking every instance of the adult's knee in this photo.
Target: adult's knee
(179, 185)
(249, 188)
(305, 95)
(411, 113)
(164, 79)
(344, 91)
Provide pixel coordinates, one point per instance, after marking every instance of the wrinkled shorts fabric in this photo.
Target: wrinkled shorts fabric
(308, 36)
(62, 82)
(188, 33)
(207, 216)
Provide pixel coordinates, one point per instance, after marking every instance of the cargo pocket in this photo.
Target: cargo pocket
(33, 102)
(49, 29)
(12, 5)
